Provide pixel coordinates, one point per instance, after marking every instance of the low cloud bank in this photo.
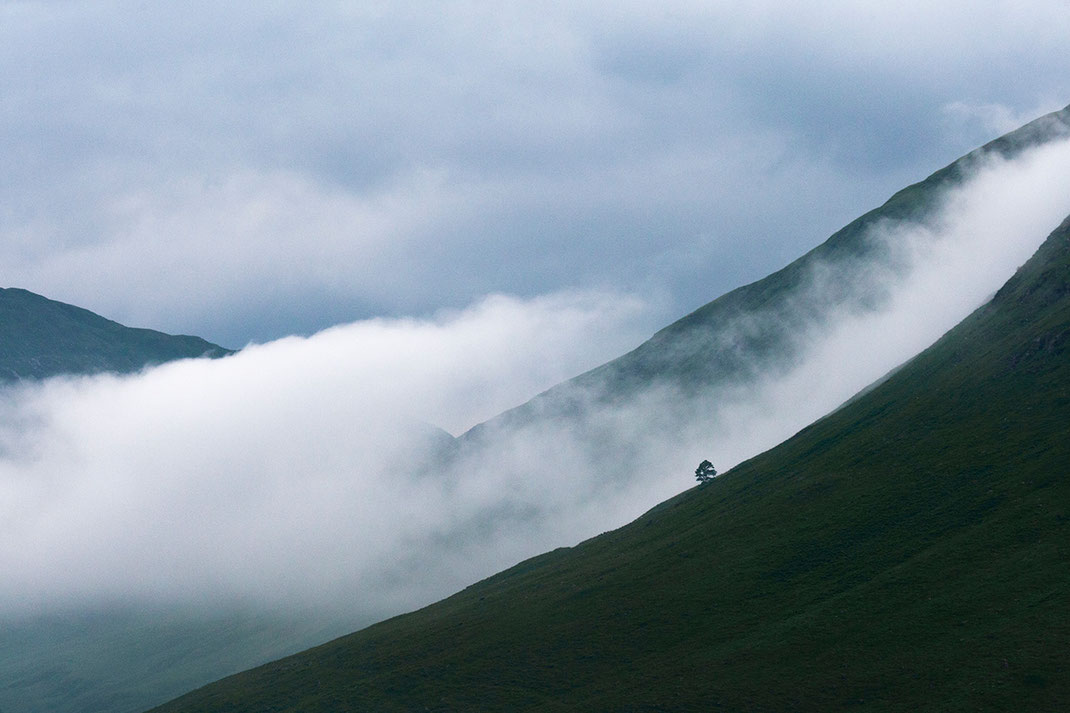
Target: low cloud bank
(285, 471)
(308, 471)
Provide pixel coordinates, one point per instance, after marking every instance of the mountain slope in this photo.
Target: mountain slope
(907, 552)
(693, 352)
(759, 329)
(40, 337)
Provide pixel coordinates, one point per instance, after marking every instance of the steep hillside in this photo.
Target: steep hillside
(40, 338)
(59, 665)
(907, 552)
(758, 329)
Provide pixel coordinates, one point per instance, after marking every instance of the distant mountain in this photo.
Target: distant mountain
(907, 552)
(40, 338)
(105, 661)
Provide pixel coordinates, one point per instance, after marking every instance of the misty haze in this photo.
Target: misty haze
(317, 471)
(424, 317)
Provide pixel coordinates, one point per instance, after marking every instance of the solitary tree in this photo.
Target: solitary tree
(705, 472)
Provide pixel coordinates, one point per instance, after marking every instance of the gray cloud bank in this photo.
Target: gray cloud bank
(304, 471)
(244, 172)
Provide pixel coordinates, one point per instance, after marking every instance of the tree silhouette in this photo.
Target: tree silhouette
(705, 472)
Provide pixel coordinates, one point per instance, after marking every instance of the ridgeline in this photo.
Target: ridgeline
(907, 552)
(40, 338)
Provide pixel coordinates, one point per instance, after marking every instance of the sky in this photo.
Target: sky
(245, 172)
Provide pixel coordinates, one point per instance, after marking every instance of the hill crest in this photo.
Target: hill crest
(40, 338)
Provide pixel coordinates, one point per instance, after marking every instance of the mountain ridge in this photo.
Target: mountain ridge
(907, 551)
(40, 338)
(714, 352)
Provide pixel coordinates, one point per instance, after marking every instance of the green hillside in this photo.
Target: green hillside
(40, 337)
(758, 329)
(907, 552)
(128, 659)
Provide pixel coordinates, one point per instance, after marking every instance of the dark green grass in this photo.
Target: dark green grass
(909, 552)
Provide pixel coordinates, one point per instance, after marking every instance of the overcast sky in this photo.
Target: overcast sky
(244, 171)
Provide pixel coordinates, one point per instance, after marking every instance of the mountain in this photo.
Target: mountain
(126, 659)
(752, 367)
(906, 552)
(40, 338)
(759, 329)
(114, 659)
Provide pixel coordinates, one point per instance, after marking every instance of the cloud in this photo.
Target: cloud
(239, 246)
(245, 173)
(996, 119)
(272, 469)
(306, 471)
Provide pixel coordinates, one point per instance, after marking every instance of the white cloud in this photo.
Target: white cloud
(997, 119)
(297, 471)
(283, 468)
(246, 239)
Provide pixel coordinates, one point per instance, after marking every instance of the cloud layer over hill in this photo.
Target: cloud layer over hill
(304, 471)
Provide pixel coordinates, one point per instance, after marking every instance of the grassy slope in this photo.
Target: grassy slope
(40, 337)
(908, 552)
(693, 351)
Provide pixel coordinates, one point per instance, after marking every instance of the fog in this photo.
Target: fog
(310, 472)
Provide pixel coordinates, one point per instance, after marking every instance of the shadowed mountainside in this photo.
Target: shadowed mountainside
(759, 329)
(690, 353)
(907, 552)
